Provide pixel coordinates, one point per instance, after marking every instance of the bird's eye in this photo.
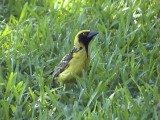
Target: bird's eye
(84, 34)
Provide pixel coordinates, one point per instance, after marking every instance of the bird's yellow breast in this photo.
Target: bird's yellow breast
(77, 64)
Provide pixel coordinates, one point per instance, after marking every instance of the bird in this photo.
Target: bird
(76, 60)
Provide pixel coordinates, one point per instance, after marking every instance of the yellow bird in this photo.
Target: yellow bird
(77, 60)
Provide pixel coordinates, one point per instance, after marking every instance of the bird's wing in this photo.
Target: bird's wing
(64, 63)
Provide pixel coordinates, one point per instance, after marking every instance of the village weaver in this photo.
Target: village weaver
(77, 60)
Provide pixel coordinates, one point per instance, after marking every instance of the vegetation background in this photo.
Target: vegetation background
(124, 76)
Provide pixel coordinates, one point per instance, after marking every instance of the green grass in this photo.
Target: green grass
(124, 76)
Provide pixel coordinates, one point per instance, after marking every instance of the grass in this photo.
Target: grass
(124, 76)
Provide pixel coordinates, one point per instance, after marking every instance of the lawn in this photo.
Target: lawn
(123, 79)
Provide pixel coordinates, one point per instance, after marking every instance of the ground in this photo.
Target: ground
(123, 79)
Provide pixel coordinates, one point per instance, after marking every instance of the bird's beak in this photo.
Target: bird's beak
(91, 34)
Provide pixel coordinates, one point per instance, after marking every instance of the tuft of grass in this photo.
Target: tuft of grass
(122, 81)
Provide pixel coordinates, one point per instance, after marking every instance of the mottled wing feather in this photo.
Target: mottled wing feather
(62, 65)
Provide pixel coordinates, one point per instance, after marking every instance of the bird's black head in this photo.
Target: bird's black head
(86, 36)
